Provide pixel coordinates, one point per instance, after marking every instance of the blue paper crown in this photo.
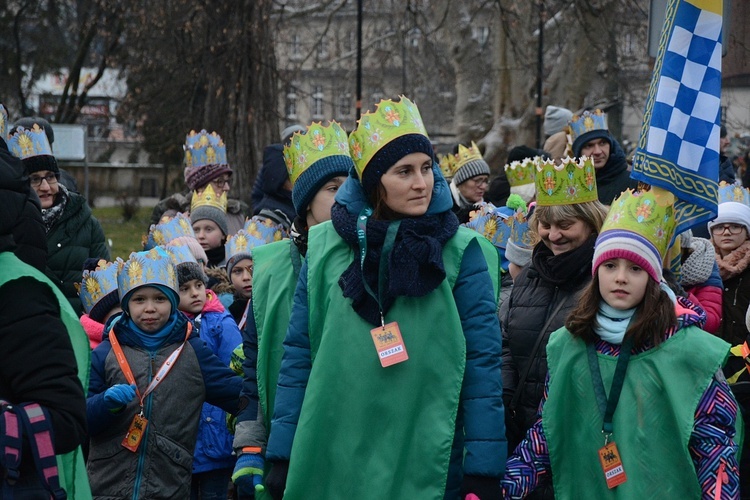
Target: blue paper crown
(154, 267)
(492, 223)
(3, 122)
(520, 234)
(25, 143)
(97, 284)
(733, 192)
(180, 254)
(587, 122)
(202, 148)
(162, 233)
(257, 232)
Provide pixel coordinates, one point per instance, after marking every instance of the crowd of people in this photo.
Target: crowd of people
(386, 322)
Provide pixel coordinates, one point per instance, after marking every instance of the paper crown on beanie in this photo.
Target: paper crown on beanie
(180, 254)
(520, 173)
(733, 192)
(466, 155)
(3, 122)
(97, 284)
(312, 157)
(202, 148)
(447, 164)
(469, 163)
(208, 198)
(164, 232)
(389, 121)
(641, 225)
(25, 143)
(587, 122)
(153, 267)
(491, 222)
(569, 183)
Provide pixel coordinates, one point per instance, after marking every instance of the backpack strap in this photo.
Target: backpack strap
(10, 448)
(33, 420)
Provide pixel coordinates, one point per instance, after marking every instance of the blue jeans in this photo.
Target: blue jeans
(211, 485)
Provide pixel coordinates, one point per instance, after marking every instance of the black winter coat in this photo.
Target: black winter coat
(75, 237)
(614, 177)
(537, 291)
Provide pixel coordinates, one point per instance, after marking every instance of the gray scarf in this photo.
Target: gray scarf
(52, 214)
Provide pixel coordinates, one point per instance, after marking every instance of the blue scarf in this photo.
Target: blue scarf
(152, 340)
(612, 323)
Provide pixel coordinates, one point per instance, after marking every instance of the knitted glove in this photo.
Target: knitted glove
(248, 474)
(276, 480)
(118, 396)
(486, 488)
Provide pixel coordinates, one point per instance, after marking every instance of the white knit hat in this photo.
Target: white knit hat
(732, 212)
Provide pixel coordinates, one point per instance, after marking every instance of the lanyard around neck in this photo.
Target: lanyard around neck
(160, 375)
(607, 406)
(390, 239)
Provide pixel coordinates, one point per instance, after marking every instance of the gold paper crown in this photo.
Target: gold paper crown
(520, 173)
(390, 121)
(316, 143)
(649, 214)
(569, 183)
(208, 198)
(447, 163)
(466, 155)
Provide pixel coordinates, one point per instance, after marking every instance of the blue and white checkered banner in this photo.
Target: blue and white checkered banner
(678, 148)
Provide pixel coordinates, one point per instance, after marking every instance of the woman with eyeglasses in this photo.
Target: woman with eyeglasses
(729, 234)
(470, 181)
(73, 233)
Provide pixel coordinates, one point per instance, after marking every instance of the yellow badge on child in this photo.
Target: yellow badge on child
(614, 473)
(135, 432)
(389, 344)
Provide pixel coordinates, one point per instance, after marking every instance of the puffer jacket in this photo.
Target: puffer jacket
(535, 295)
(213, 448)
(162, 465)
(75, 237)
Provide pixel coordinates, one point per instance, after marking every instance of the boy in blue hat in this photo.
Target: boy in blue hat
(149, 379)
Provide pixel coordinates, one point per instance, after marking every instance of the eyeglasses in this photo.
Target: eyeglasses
(480, 181)
(221, 182)
(733, 228)
(36, 181)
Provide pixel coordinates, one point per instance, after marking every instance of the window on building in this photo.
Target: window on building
(480, 34)
(291, 103)
(345, 104)
(413, 37)
(351, 41)
(322, 48)
(628, 45)
(317, 101)
(295, 46)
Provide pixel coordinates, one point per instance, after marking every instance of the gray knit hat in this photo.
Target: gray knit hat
(469, 163)
(555, 119)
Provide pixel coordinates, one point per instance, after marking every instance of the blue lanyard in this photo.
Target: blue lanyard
(607, 406)
(390, 239)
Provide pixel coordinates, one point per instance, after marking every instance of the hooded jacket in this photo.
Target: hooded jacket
(270, 182)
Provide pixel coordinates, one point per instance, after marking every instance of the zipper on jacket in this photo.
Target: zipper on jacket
(721, 479)
(736, 291)
(144, 441)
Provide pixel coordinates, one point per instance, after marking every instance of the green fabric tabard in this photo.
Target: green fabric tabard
(652, 423)
(369, 432)
(274, 282)
(72, 470)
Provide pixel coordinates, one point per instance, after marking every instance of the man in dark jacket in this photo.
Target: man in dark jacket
(592, 138)
(40, 368)
(726, 168)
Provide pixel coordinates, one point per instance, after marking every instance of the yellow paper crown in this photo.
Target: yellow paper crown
(447, 163)
(520, 173)
(390, 121)
(316, 143)
(649, 214)
(208, 198)
(569, 183)
(466, 155)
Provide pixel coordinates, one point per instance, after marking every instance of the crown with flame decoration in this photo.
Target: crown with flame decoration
(257, 232)
(153, 267)
(447, 164)
(520, 234)
(202, 148)
(316, 143)
(520, 173)
(733, 192)
(587, 122)
(492, 223)
(25, 143)
(208, 198)
(389, 121)
(648, 214)
(3, 122)
(97, 284)
(180, 254)
(569, 183)
(164, 232)
(466, 155)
